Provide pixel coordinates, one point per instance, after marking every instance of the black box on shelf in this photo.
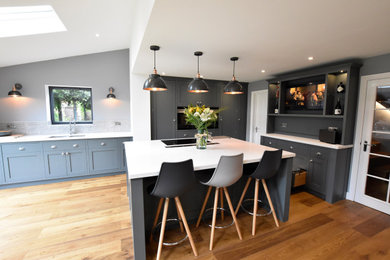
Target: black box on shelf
(330, 136)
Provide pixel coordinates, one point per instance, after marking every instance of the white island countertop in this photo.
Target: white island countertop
(61, 137)
(144, 158)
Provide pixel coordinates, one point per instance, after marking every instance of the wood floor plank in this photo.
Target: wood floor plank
(90, 219)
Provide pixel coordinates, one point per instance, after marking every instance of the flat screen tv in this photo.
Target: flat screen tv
(305, 97)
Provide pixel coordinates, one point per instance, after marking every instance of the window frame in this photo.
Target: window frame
(50, 103)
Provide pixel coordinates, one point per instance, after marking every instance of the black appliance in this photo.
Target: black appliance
(182, 142)
(329, 135)
(181, 120)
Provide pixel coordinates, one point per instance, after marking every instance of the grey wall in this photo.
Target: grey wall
(99, 71)
(253, 86)
(375, 65)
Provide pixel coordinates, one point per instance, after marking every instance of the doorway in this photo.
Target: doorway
(258, 123)
(373, 173)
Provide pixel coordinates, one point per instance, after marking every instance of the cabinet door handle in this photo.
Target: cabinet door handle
(67, 153)
(22, 148)
(53, 146)
(76, 145)
(102, 143)
(62, 153)
(239, 119)
(185, 135)
(318, 154)
(311, 161)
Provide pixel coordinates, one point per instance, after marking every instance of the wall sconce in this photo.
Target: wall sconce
(15, 90)
(111, 94)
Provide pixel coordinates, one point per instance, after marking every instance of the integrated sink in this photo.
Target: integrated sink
(65, 136)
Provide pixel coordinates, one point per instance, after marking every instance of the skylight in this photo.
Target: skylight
(28, 20)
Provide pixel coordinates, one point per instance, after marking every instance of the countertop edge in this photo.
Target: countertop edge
(309, 141)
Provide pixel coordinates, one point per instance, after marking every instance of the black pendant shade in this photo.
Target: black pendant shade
(111, 93)
(198, 85)
(154, 82)
(233, 87)
(15, 90)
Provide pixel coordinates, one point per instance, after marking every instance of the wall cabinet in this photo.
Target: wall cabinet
(104, 155)
(27, 162)
(23, 162)
(327, 169)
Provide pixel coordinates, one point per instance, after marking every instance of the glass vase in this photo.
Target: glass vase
(201, 139)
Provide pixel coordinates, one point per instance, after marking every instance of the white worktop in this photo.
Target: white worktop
(63, 137)
(145, 157)
(309, 141)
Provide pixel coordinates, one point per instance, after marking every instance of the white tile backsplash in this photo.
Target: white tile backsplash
(42, 128)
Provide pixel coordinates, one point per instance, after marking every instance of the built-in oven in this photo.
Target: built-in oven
(181, 120)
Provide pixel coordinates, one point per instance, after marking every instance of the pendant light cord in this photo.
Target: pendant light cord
(234, 67)
(154, 54)
(198, 64)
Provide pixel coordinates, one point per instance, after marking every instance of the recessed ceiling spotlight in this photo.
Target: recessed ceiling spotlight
(310, 58)
(262, 71)
(97, 35)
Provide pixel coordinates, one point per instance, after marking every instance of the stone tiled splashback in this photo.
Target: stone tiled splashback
(42, 128)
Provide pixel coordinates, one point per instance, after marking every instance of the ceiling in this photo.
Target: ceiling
(276, 36)
(83, 20)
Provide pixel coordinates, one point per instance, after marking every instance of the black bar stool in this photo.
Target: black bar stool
(267, 168)
(173, 181)
(228, 172)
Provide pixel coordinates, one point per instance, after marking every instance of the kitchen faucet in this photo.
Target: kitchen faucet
(72, 127)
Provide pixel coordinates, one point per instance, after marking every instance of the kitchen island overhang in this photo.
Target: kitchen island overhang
(144, 159)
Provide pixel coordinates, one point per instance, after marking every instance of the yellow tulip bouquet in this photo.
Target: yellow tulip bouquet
(201, 117)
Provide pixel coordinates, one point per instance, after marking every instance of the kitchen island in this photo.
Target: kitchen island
(144, 159)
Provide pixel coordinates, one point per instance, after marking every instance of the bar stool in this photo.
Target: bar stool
(173, 181)
(267, 168)
(228, 172)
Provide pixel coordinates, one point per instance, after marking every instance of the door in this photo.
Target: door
(77, 163)
(258, 124)
(374, 162)
(55, 164)
(23, 167)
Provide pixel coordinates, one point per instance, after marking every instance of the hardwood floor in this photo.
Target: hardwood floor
(89, 219)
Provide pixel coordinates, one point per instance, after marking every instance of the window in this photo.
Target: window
(70, 104)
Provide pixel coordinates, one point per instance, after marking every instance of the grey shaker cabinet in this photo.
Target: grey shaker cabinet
(104, 156)
(65, 158)
(1, 167)
(23, 162)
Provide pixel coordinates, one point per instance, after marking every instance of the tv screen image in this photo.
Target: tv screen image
(310, 97)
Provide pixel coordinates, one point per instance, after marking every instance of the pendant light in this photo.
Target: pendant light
(155, 82)
(198, 85)
(233, 87)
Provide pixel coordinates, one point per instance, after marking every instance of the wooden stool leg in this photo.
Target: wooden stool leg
(156, 217)
(203, 206)
(270, 202)
(214, 219)
(232, 212)
(179, 217)
(221, 198)
(243, 194)
(164, 222)
(183, 217)
(255, 207)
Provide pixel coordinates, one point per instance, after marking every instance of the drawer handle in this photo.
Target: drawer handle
(67, 153)
(102, 143)
(291, 147)
(319, 154)
(62, 153)
(22, 148)
(185, 135)
(53, 146)
(76, 145)
(269, 142)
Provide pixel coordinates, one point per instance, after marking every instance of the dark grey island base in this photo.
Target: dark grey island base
(143, 206)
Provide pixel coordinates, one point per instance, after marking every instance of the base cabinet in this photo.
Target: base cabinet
(327, 170)
(37, 161)
(104, 156)
(23, 162)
